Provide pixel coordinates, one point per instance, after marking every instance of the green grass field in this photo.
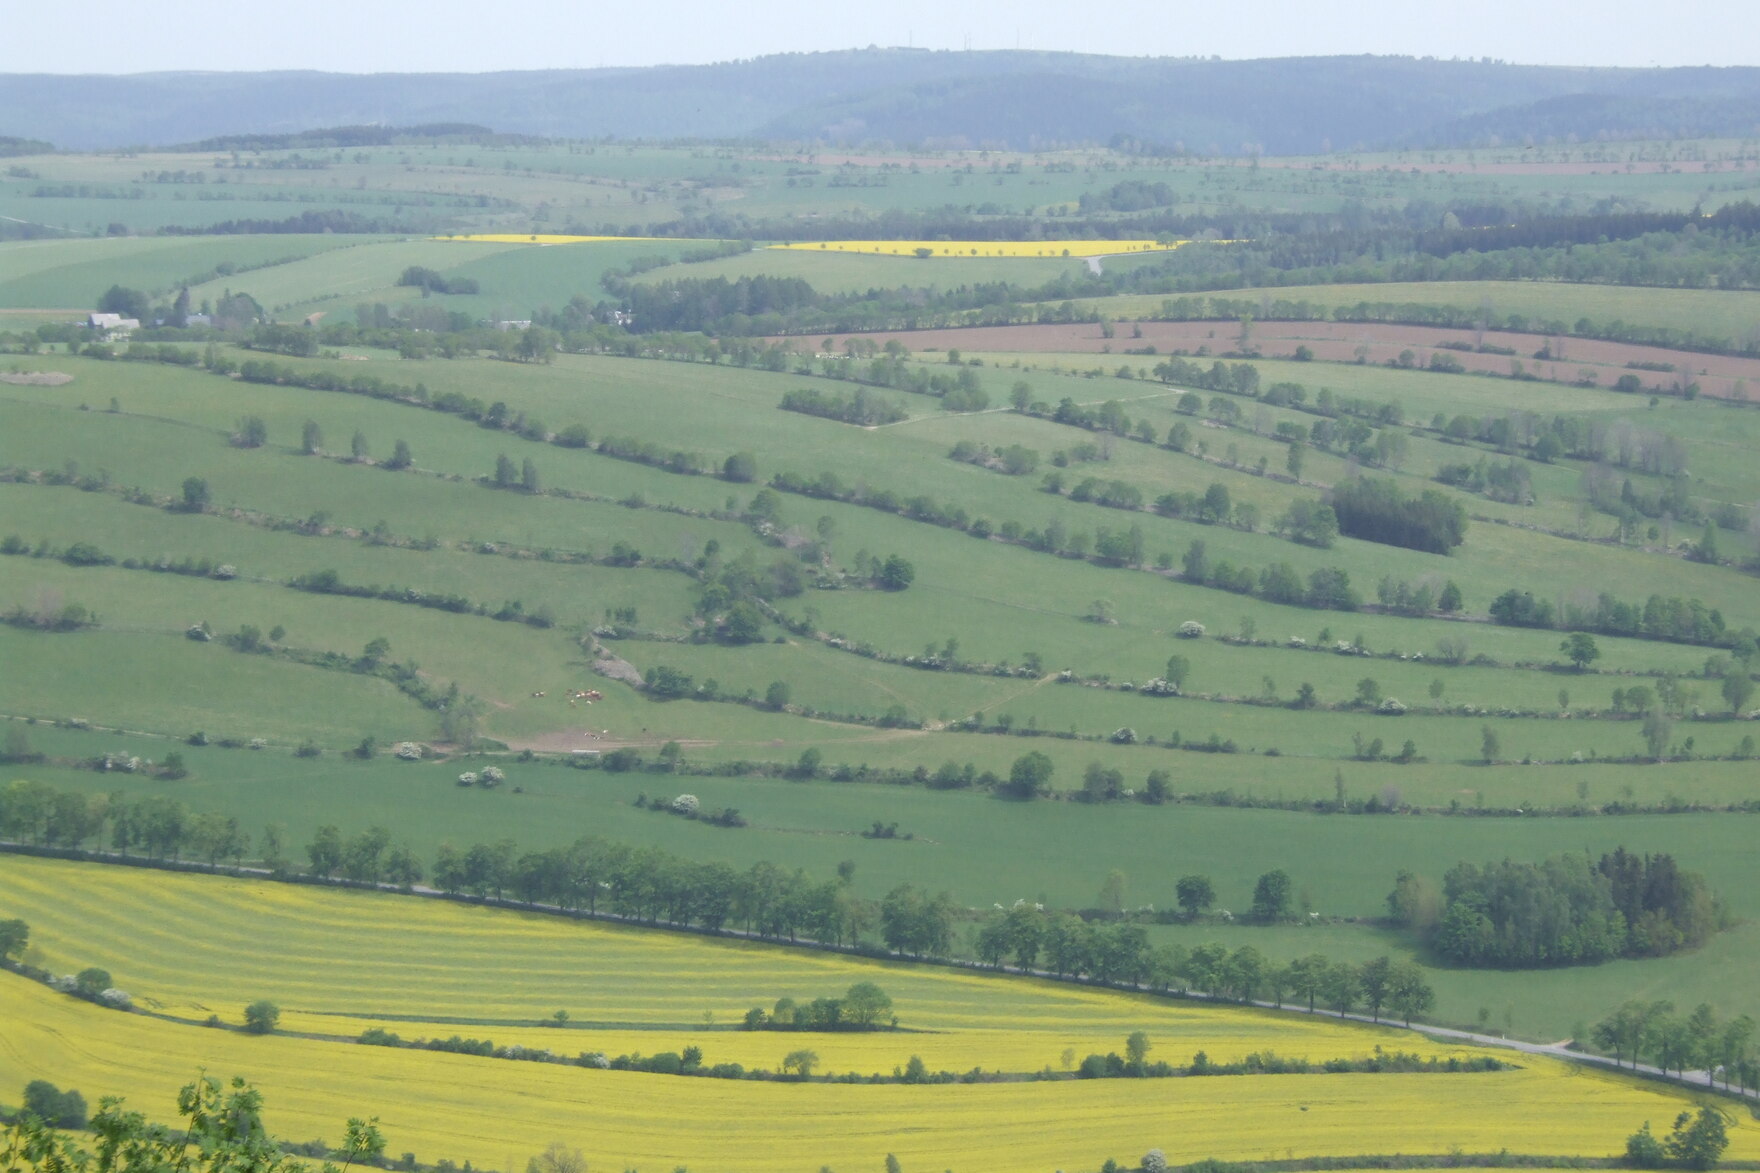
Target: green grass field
(845, 273)
(1729, 313)
(73, 274)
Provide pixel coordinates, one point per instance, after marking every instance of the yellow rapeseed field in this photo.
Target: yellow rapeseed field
(192, 945)
(495, 1113)
(939, 249)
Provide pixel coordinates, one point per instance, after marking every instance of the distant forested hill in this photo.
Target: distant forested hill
(906, 97)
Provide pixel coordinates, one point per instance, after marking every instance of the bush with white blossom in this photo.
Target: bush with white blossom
(116, 999)
(491, 776)
(1154, 1161)
(1391, 708)
(468, 778)
(1191, 629)
(686, 804)
(408, 751)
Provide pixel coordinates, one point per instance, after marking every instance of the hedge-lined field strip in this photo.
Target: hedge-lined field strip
(192, 945)
(495, 1113)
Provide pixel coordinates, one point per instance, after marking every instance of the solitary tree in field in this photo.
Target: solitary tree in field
(896, 573)
(801, 1063)
(311, 440)
(740, 468)
(252, 432)
(866, 1005)
(261, 1017)
(557, 1158)
(1195, 895)
(1030, 775)
(1271, 896)
(1580, 649)
(15, 935)
(195, 495)
(1698, 1141)
(1488, 745)
(1738, 688)
(1178, 668)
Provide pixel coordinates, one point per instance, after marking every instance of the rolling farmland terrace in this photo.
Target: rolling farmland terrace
(686, 545)
(646, 992)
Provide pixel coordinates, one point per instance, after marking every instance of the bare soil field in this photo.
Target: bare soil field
(1571, 359)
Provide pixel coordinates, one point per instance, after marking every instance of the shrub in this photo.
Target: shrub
(408, 751)
(1191, 629)
(1643, 1150)
(261, 1016)
(91, 982)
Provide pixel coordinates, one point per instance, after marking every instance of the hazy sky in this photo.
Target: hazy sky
(366, 36)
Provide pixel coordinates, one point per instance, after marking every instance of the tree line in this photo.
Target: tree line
(1028, 937)
(1665, 617)
(1639, 1032)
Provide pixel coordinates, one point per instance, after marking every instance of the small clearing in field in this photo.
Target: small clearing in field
(35, 378)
